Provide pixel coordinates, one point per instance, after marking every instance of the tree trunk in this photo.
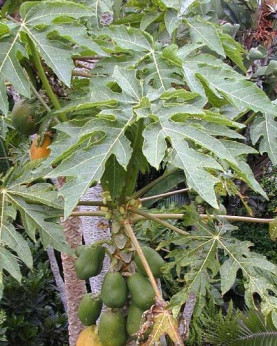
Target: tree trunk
(57, 276)
(95, 228)
(75, 288)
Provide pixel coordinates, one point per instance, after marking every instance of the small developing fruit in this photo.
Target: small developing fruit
(88, 337)
(155, 261)
(38, 151)
(141, 291)
(90, 262)
(112, 329)
(89, 309)
(24, 117)
(114, 290)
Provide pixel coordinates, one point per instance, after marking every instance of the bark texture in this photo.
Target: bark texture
(75, 288)
(57, 276)
(93, 229)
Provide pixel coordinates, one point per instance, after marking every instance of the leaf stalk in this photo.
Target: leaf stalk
(153, 217)
(130, 233)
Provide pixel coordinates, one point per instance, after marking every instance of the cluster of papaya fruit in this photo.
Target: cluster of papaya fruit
(127, 297)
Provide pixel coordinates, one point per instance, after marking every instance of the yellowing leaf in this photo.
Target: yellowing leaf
(164, 324)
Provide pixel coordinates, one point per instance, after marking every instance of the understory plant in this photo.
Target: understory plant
(120, 88)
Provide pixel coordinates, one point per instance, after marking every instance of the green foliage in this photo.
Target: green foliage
(232, 328)
(258, 235)
(210, 251)
(36, 204)
(169, 91)
(33, 309)
(214, 327)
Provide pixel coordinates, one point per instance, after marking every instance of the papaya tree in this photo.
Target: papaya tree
(124, 88)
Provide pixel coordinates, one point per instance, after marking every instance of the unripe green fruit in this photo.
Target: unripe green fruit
(89, 309)
(112, 330)
(90, 262)
(114, 290)
(24, 118)
(141, 291)
(79, 249)
(133, 319)
(155, 261)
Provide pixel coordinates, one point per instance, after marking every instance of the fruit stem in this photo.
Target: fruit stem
(130, 233)
(158, 220)
(44, 79)
(153, 183)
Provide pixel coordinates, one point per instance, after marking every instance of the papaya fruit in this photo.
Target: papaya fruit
(133, 322)
(141, 291)
(89, 309)
(112, 329)
(24, 117)
(114, 290)
(90, 262)
(88, 337)
(39, 151)
(154, 260)
(79, 249)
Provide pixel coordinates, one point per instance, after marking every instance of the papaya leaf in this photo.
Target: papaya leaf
(40, 210)
(38, 22)
(87, 164)
(205, 32)
(113, 179)
(201, 257)
(273, 230)
(265, 129)
(164, 324)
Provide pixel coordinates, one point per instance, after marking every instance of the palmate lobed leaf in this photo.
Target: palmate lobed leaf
(38, 23)
(202, 260)
(164, 324)
(171, 115)
(40, 210)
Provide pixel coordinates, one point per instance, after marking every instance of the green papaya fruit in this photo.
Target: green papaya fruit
(114, 290)
(141, 291)
(79, 249)
(133, 319)
(89, 309)
(90, 262)
(154, 260)
(112, 329)
(24, 117)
